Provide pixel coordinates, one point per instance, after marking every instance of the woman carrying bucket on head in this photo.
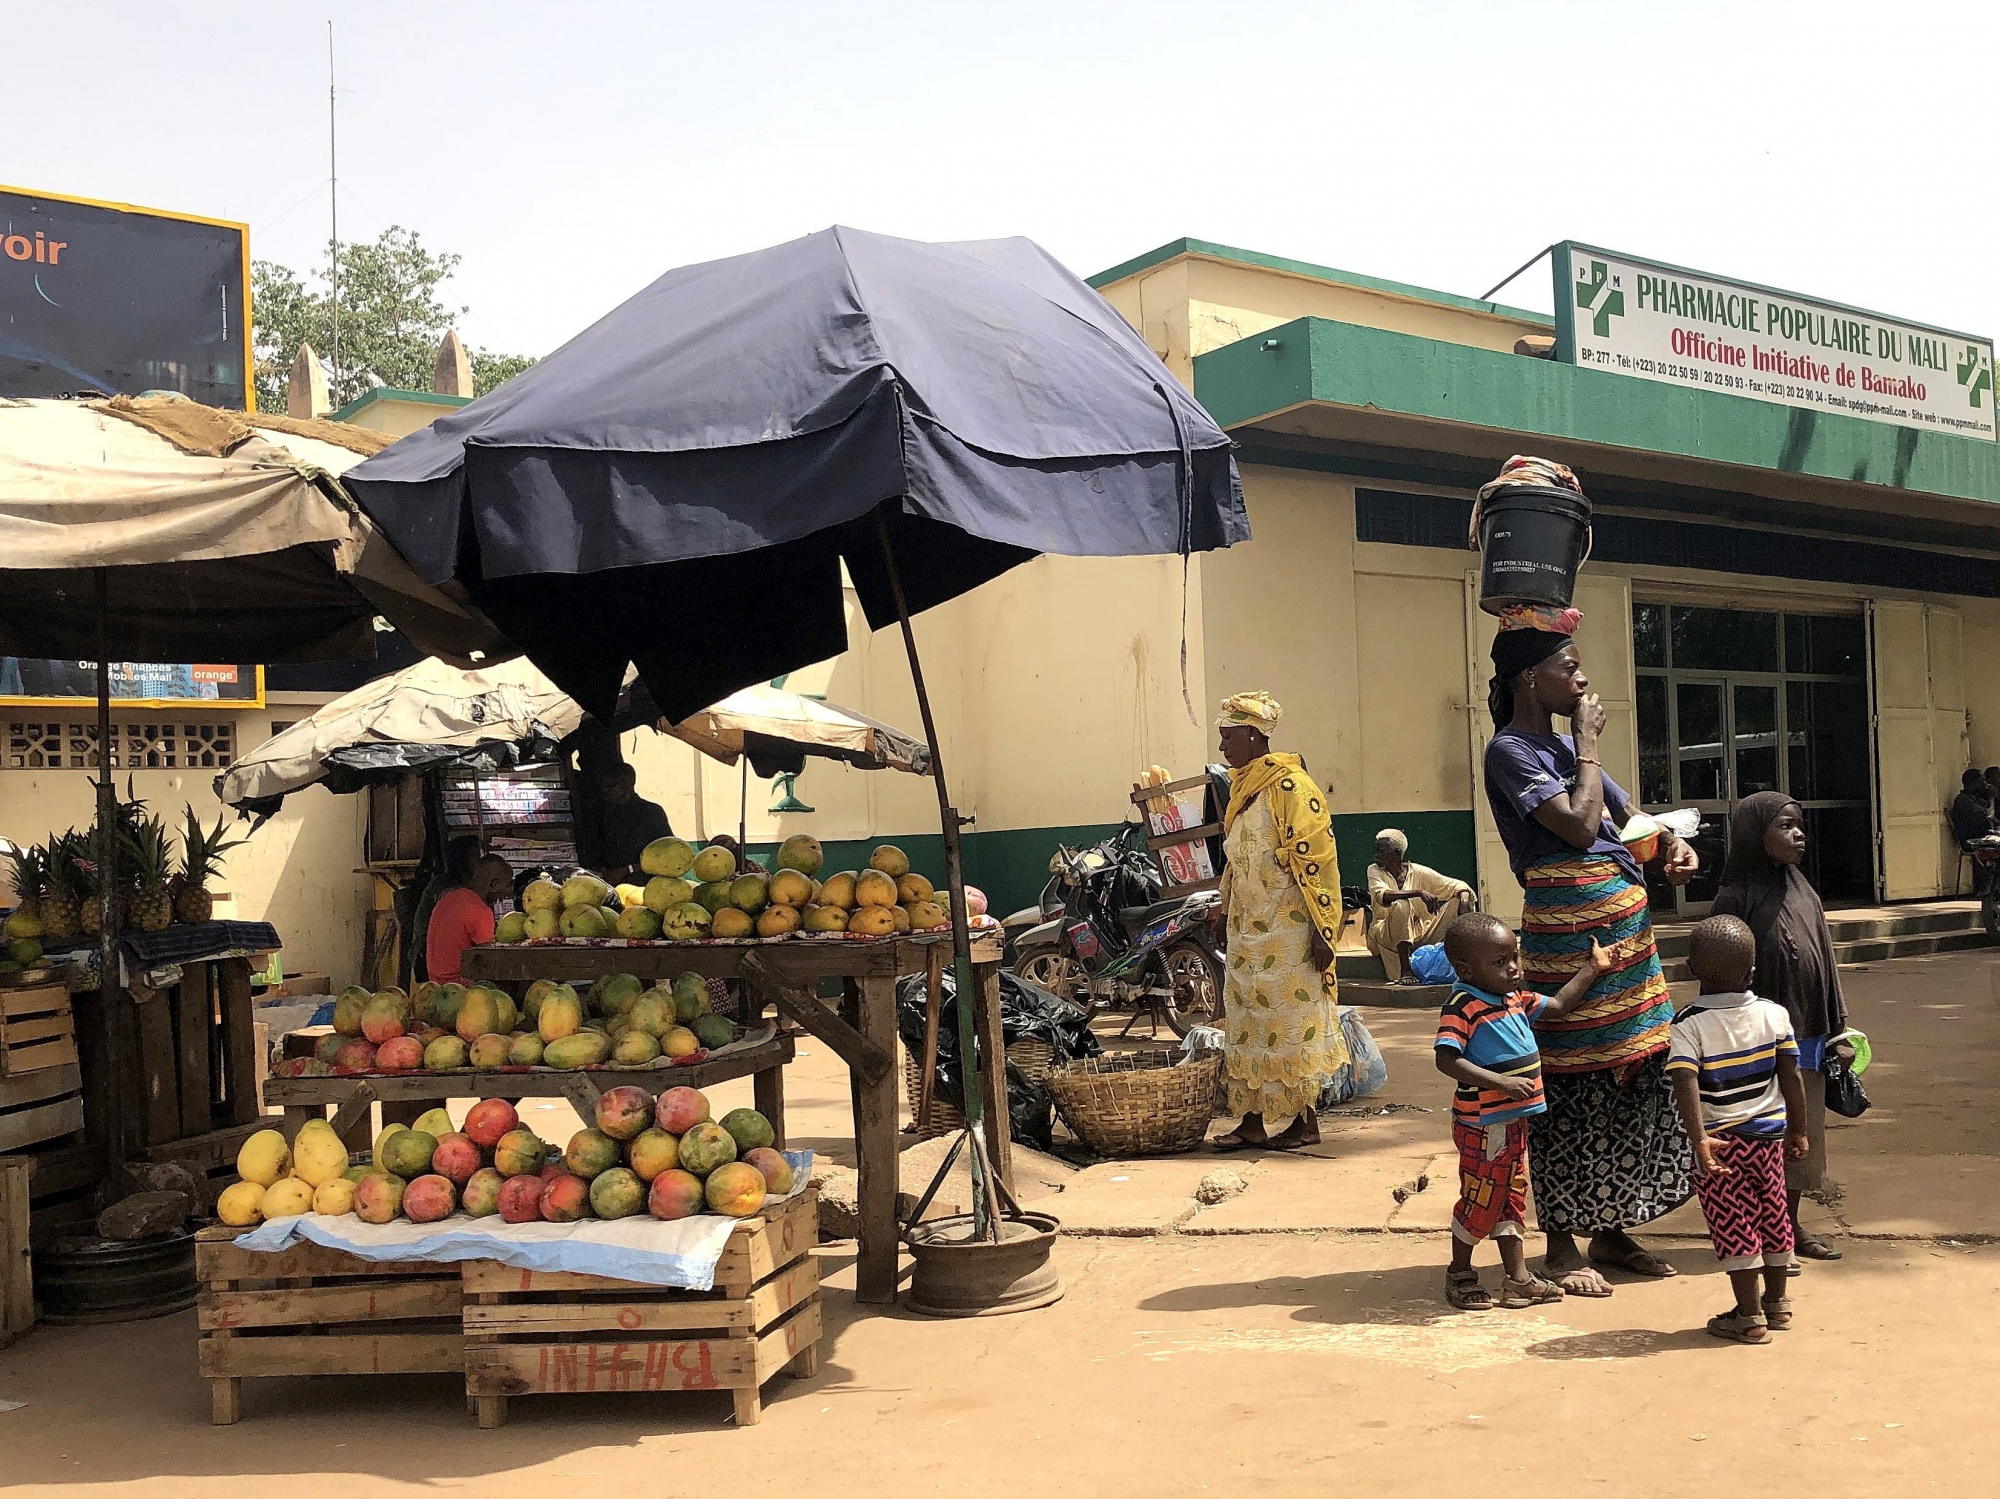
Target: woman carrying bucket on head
(1610, 1153)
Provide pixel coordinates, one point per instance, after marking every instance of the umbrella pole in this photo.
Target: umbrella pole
(961, 933)
(743, 815)
(111, 1064)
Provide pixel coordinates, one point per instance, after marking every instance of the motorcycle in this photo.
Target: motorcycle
(1110, 941)
(1985, 854)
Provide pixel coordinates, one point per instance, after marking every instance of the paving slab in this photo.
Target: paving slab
(1132, 1197)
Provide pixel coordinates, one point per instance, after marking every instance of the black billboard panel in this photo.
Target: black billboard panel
(105, 297)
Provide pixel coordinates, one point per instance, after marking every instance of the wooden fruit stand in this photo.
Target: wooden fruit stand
(860, 1028)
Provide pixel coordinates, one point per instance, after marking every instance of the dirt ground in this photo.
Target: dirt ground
(1294, 1331)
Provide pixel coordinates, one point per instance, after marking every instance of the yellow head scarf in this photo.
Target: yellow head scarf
(1250, 710)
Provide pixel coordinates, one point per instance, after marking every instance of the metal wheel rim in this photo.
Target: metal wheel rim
(1047, 970)
(1189, 971)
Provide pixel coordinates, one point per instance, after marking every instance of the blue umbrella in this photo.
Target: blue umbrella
(930, 415)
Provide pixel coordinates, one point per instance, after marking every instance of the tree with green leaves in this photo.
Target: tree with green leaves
(391, 321)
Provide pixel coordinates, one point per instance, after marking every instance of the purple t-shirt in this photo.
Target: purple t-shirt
(1525, 770)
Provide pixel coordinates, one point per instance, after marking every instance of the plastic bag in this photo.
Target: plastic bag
(1431, 966)
(1844, 1095)
(1363, 1072)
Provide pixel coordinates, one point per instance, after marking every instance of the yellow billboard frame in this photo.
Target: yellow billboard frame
(242, 229)
(152, 704)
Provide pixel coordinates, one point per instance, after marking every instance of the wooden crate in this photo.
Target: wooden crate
(37, 1030)
(17, 1283)
(40, 1106)
(537, 1334)
(310, 1310)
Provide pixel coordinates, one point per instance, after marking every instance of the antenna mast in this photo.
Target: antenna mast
(333, 184)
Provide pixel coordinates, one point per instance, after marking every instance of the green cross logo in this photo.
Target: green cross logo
(1593, 297)
(1975, 373)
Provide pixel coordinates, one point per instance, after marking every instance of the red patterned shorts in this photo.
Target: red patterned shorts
(1748, 1221)
(1492, 1180)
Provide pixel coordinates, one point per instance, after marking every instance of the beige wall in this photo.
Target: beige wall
(399, 418)
(295, 872)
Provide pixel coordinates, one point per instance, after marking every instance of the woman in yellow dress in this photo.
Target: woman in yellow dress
(1281, 890)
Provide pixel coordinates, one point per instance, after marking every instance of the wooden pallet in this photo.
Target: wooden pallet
(17, 1282)
(37, 1030)
(311, 1310)
(540, 1334)
(42, 1105)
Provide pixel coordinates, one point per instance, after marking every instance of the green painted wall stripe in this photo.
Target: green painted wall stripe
(392, 393)
(1012, 865)
(1262, 261)
(1344, 364)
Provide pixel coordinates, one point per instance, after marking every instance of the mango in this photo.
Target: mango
(899, 916)
(638, 925)
(519, 1152)
(873, 921)
(584, 1049)
(286, 1198)
(615, 993)
(429, 1199)
(584, 889)
(653, 1152)
(347, 1010)
(890, 860)
(777, 1171)
(790, 888)
(713, 864)
(585, 921)
(480, 1015)
(511, 928)
(355, 1055)
(705, 1147)
(561, 1014)
(778, 921)
(456, 1158)
(912, 888)
(679, 1042)
(675, 1194)
(669, 857)
(927, 916)
(489, 1119)
(328, 1047)
(617, 1193)
(318, 1154)
(680, 1110)
(446, 1054)
(241, 1204)
(730, 924)
(382, 1139)
(713, 1031)
(378, 1198)
(748, 1128)
(541, 895)
(664, 892)
(525, 1050)
(750, 893)
(691, 997)
(801, 852)
(825, 919)
(520, 1199)
(653, 1012)
(590, 1151)
(531, 999)
(713, 897)
(334, 1198)
(874, 888)
(635, 1048)
(735, 1190)
(508, 1013)
(435, 1122)
(838, 890)
(400, 1054)
(480, 1196)
(624, 1112)
(489, 1053)
(263, 1158)
(566, 1199)
(409, 1153)
(628, 896)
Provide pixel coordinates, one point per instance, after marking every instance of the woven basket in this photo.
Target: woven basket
(1137, 1103)
(1033, 1057)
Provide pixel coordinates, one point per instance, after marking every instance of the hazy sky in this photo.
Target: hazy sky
(572, 152)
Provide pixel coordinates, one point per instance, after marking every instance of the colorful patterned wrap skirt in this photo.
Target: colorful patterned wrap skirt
(1610, 1153)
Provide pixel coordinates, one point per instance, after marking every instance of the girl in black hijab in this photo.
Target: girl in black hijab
(1762, 883)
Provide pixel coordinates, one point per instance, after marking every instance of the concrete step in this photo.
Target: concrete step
(1940, 916)
(1914, 945)
(1377, 995)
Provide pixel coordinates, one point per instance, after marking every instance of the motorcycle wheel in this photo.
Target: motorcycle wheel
(1196, 983)
(1048, 970)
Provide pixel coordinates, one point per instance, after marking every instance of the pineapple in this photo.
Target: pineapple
(31, 867)
(150, 854)
(201, 852)
(62, 913)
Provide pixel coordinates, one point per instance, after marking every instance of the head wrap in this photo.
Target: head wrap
(1514, 651)
(1250, 710)
(1395, 838)
(1796, 965)
(1545, 472)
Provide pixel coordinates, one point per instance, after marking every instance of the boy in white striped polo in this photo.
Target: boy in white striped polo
(1735, 1071)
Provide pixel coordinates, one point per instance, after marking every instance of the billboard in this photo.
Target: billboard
(111, 298)
(134, 684)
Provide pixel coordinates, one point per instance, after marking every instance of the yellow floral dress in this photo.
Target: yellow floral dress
(1282, 881)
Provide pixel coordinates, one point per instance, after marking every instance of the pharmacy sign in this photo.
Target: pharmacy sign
(1658, 322)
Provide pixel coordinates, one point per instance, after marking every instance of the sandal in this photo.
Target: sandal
(1533, 1291)
(1586, 1283)
(1778, 1313)
(1464, 1292)
(1815, 1249)
(1638, 1260)
(1234, 1141)
(1736, 1327)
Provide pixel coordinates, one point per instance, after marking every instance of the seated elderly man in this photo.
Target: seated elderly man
(1409, 905)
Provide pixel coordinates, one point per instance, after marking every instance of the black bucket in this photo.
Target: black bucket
(1532, 540)
(82, 1279)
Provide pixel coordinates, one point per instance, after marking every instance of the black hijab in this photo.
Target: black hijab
(1514, 651)
(1795, 962)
